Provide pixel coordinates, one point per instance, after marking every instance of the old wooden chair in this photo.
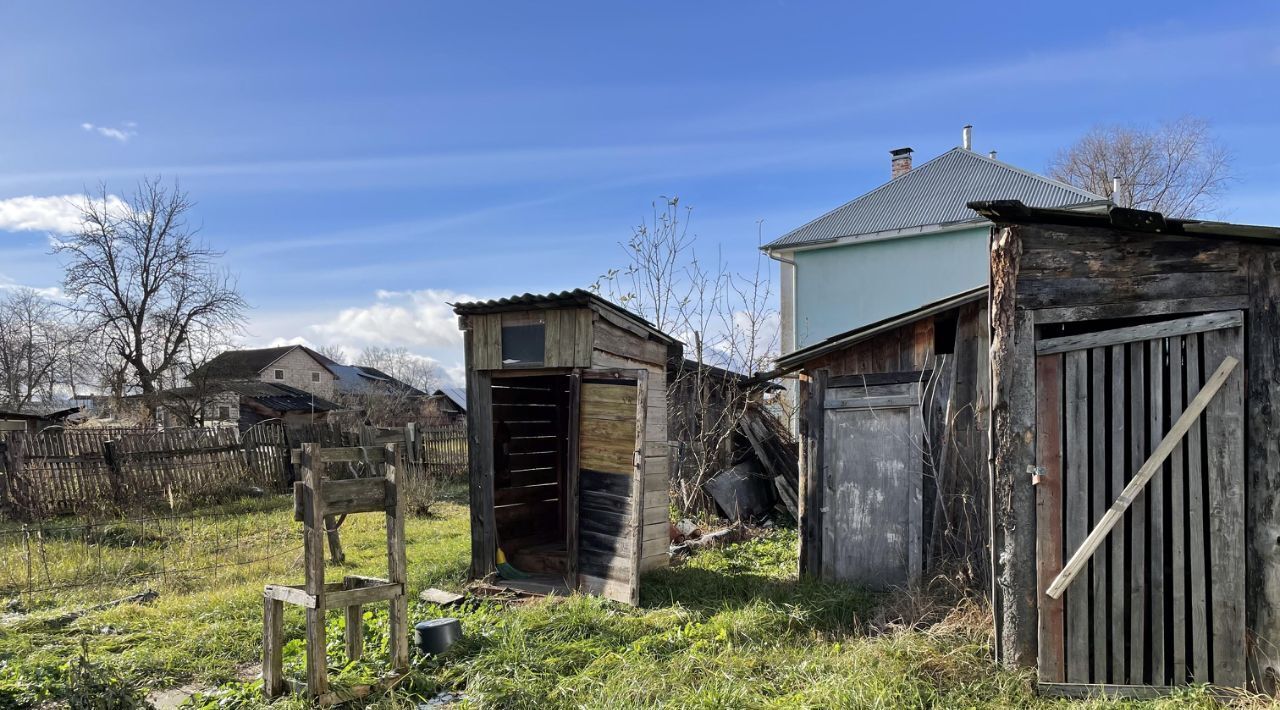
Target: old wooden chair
(314, 500)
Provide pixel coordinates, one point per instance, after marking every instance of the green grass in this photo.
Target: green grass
(731, 628)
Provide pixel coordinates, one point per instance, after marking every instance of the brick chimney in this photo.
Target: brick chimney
(901, 161)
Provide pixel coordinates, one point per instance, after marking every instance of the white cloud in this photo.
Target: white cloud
(54, 292)
(56, 214)
(126, 131)
(414, 319)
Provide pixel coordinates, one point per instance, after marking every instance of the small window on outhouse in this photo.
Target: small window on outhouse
(523, 344)
(315, 377)
(224, 413)
(279, 374)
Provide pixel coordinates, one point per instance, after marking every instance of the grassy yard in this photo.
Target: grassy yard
(731, 628)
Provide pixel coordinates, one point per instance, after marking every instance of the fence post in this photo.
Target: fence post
(413, 442)
(6, 506)
(14, 500)
(110, 457)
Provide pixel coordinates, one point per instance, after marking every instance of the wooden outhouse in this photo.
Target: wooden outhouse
(567, 429)
(893, 425)
(1135, 434)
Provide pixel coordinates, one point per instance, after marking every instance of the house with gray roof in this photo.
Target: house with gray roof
(906, 243)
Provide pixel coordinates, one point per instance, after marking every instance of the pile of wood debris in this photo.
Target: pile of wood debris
(766, 471)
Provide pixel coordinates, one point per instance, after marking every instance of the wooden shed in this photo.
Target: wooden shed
(1135, 435)
(567, 428)
(893, 425)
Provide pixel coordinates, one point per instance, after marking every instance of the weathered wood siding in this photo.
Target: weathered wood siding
(953, 410)
(1047, 282)
(568, 336)
(619, 345)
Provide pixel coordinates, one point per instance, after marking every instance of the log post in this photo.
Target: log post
(1262, 470)
(273, 683)
(1012, 451)
(398, 617)
(313, 554)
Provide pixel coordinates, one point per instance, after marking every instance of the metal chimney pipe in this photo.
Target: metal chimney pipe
(1115, 187)
(967, 134)
(992, 155)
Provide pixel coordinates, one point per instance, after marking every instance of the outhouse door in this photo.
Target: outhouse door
(611, 417)
(873, 456)
(1161, 601)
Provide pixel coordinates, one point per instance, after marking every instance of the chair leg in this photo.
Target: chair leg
(317, 660)
(354, 634)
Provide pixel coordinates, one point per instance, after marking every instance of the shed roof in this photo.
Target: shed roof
(240, 364)
(577, 298)
(795, 360)
(1015, 212)
(272, 395)
(935, 194)
(457, 395)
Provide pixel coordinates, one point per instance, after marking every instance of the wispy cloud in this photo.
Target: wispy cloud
(414, 319)
(9, 284)
(54, 214)
(126, 131)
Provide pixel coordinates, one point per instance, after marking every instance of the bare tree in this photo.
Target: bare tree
(334, 352)
(727, 323)
(34, 335)
(414, 370)
(1177, 168)
(139, 275)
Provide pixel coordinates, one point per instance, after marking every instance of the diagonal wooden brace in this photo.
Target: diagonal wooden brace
(1149, 468)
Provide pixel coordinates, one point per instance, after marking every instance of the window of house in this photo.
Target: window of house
(315, 377)
(279, 374)
(224, 413)
(523, 344)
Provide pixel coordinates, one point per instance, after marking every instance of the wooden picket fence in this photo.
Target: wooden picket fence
(74, 471)
(77, 471)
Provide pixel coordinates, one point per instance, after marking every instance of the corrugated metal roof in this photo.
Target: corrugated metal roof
(840, 341)
(564, 299)
(457, 395)
(935, 193)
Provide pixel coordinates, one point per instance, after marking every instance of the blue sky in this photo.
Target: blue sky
(360, 164)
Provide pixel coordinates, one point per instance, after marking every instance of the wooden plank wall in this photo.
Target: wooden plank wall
(956, 413)
(1054, 277)
(616, 346)
(568, 336)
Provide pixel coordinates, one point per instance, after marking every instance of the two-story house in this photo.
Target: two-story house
(242, 387)
(296, 366)
(909, 242)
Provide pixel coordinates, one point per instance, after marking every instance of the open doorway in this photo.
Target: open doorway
(531, 486)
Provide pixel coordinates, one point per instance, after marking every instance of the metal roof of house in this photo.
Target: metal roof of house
(281, 398)
(795, 360)
(934, 194)
(272, 395)
(457, 395)
(362, 379)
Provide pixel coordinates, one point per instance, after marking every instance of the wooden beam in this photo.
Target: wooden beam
(398, 616)
(1146, 331)
(1144, 474)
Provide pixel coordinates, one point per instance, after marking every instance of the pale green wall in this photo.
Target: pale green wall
(843, 287)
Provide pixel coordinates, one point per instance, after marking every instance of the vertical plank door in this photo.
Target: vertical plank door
(610, 429)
